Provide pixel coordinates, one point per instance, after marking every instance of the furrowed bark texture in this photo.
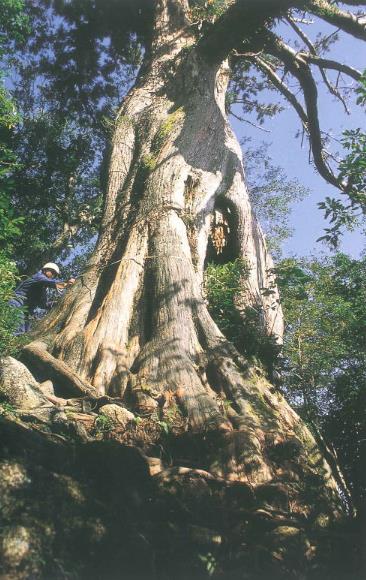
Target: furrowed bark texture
(174, 163)
(136, 326)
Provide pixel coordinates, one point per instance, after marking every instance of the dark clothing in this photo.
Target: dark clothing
(32, 294)
(22, 317)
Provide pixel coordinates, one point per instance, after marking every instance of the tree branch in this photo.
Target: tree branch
(332, 89)
(243, 20)
(332, 64)
(344, 20)
(299, 68)
(352, 2)
(242, 120)
(304, 37)
(35, 354)
(269, 71)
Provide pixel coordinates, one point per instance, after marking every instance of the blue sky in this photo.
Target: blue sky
(286, 151)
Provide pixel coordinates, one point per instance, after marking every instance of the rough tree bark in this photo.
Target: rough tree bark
(136, 325)
(175, 164)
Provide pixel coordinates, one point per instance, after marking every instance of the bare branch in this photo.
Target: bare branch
(270, 72)
(304, 37)
(239, 118)
(334, 91)
(302, 20)
(244, 21)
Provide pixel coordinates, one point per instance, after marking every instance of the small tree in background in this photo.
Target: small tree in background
(13, 27)
(324, 359)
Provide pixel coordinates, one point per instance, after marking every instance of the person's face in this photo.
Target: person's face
(49, 273)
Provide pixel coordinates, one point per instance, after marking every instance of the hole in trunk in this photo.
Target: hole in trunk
(222, 245)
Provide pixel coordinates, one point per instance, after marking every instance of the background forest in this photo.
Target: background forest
(55, 129)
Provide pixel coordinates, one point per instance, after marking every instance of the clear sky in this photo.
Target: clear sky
(286, 151)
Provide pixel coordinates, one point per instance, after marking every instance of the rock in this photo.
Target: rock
(119, 415)
(18, 386)
(42, 416)
(288, 540)
(47, 388)
(59, 417)
(64, 424)
(155, 465)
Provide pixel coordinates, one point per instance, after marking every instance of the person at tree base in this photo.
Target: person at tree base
(32, 293)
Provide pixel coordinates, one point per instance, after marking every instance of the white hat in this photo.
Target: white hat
(52, 266)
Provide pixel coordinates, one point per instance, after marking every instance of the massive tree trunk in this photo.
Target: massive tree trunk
(136, 325)
(175, 174)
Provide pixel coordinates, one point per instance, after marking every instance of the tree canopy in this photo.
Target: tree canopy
(81, 57)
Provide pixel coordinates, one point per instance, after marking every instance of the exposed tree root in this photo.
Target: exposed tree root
(36, 356)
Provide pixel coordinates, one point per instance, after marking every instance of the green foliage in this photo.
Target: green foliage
(9, 224)
(165, 426)
(352, 171)
(62, 133)
(324, 365)
(210, 563)
(13, 25)
(58, 158)
(7, 409)
(86, 53)
(315, 318)
(208, 10)
(353, 167)
(223, 283)
(9, 316)
(103, 425)
(242, 326)
(244, 96)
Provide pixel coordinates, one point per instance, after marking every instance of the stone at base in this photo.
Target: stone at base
(119, 415)
(18, 386)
